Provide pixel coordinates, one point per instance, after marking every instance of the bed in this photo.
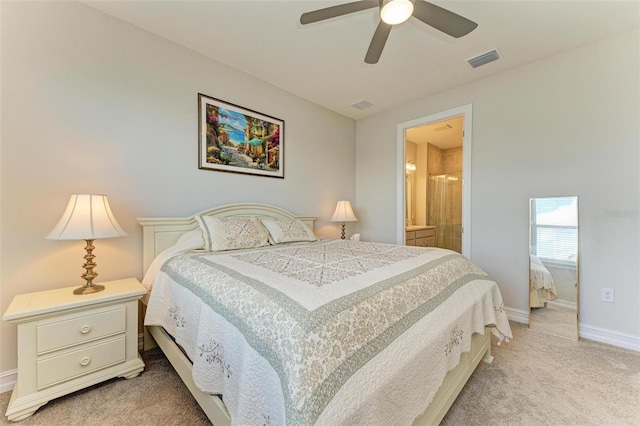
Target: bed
(541, 286)
(317, 331)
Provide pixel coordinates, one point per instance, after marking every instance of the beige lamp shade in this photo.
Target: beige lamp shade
(344, 213)
(87, 217)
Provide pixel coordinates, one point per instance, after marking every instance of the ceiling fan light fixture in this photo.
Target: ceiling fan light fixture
(395, 12)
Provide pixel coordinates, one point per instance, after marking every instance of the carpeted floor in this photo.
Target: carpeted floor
(536, 379)
(555, 319)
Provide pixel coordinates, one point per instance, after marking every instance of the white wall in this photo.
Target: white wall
(92, 104)
(566, 125)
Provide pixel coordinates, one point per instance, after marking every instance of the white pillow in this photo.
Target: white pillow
(287, 230)
(194, 236)
(191, 240)
(231, 233)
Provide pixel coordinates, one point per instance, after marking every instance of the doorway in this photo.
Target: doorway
(435, 192)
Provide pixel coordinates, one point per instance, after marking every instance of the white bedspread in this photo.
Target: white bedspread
(333, 332)
(541, 285)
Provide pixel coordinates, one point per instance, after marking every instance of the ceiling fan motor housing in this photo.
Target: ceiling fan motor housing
(393, 12)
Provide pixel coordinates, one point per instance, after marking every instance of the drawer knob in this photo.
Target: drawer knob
(85, 329)
(85, 361)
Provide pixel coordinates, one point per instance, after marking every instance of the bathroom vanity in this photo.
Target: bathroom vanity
(420, 235)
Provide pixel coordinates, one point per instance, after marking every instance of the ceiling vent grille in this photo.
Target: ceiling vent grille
(363, 104)
(442, 128)
(484, 59)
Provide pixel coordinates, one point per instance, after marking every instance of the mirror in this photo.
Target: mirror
(553, 266)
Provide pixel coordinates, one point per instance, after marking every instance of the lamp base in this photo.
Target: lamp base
(90, 274)
(88, 289)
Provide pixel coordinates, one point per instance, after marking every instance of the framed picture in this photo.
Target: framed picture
(239, 140)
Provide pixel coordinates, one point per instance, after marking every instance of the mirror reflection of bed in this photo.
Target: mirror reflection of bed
(553, 266)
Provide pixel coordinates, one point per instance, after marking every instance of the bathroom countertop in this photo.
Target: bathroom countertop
(418, 227)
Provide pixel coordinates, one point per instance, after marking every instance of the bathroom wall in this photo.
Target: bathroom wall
(410, 156)
(451, 160)
(422, 179)
(434, 160)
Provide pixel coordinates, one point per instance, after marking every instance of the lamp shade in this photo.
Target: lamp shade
(344, 213)
(87, 217)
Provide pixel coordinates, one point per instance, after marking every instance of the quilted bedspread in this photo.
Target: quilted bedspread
(329, 332)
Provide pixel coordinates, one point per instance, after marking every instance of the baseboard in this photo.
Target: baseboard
(517, 315)
(8, 380)
(140, 341)
(564, 304)
(597, 334)
(615, 338)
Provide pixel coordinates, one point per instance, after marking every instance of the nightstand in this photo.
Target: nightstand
(67, 342)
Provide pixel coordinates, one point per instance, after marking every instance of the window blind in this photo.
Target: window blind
(554, 229)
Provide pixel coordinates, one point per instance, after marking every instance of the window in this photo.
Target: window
(554, 229)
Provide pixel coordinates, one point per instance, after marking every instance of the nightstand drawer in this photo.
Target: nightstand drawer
(75, 329)
(79, 362)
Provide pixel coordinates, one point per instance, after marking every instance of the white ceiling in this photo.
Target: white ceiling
(443, 134)
(324, 62)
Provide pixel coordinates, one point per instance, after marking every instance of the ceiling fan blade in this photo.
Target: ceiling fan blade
(377, 43)
(442, 19)
(335, 11)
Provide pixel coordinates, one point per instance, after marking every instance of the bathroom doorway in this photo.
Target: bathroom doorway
(435, 194)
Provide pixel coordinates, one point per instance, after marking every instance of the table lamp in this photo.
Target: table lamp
(344, 214)
(87, 217)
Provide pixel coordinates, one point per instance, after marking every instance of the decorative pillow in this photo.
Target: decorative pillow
(231, 233)
(287, 230)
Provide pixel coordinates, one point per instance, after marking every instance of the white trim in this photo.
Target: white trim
(615, 338)
(590, 332)
(400, 182)
(517, 315)
(8, 380)
(564, 304)
(466, 112)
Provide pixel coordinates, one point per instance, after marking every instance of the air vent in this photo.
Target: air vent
(363, 104)
(484, 59)
(442, 128)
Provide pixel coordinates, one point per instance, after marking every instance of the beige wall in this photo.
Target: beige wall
(411, 155)
(92, 104)
(566, 125)
(422, 179)
(452, 160)
(434, 160)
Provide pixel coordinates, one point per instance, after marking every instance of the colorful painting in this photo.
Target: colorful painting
(239, 140)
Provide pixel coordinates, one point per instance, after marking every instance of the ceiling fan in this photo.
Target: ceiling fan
(393, 12)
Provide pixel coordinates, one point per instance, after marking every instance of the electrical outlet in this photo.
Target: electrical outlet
(607, 295)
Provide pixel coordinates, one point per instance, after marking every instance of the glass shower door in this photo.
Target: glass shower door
(445, 209)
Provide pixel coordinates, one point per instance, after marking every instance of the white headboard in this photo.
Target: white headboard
(159, 234)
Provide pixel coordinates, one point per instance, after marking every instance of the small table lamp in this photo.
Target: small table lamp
(343, 213)
(87, 217)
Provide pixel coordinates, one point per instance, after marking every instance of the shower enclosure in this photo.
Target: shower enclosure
(445, 209)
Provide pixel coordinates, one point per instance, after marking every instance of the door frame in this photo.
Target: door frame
(466, 112)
